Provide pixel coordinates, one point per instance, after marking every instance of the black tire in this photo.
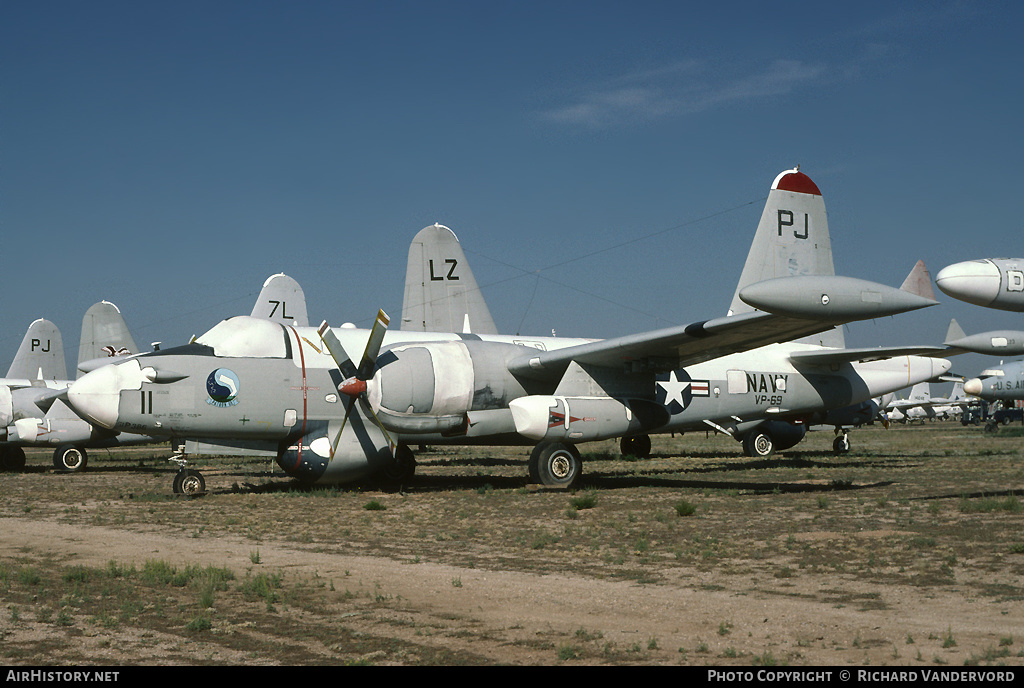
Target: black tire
(404, 467)
(841, 445)
(68, 458)
(12, 459)
(535, 463)
(638, 446)
(189, 483)
(758, 444)
(556, 464)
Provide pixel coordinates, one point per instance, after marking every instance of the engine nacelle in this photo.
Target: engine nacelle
(858, 414)
(431, 388)
(583, 419)
(6, 406)
(784, 435)
(324, 456)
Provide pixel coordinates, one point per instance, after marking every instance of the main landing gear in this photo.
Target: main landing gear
(555, 464)
(68, 458)
(758, 444)
(404, 467)
(636, 446)
(12, 458)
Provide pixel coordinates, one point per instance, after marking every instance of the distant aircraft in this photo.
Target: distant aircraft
(1000, 383)
(32, 410)
(991, 282)
(441, 294)
(921, 405)
(333, 416)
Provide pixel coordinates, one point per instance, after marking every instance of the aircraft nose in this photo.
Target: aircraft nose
(96, 395)
(973, 387)
(973, 281)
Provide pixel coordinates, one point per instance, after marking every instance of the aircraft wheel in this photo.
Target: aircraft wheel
(70, 459)
(556, 464)
(758, 444)
(404, 467)
(841, 444)
(189, 483)
(12, 459)
(535, 463)
(638, 446)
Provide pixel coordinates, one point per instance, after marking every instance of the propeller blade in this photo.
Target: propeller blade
(354, 385)
(344, 422)
(380, 328)
(336, 350)
(391, 443)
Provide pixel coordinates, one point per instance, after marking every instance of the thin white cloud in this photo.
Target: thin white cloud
(679, 89)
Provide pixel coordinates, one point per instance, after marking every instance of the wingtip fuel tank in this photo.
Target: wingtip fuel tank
(830, 298)
(992, 282)
(995, 343)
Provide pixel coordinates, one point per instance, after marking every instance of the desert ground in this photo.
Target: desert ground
(909, 550)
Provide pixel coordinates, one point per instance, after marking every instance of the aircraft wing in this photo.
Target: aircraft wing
(863, 355)
(790, 308)
(672, 348)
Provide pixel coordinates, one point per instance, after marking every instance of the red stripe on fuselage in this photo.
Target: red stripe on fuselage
(302, 363)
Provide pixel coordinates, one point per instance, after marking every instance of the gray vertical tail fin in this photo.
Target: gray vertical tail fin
(792, 238)
(104, 334)
(958, 392)
(441, 294)
(41, 354)
(921, 392)
(282, 300)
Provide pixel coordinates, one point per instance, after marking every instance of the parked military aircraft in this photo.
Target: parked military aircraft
(991, 282)
(921, 405)
(438, 245)
(32, 412)
(999, 383)
(300, 392)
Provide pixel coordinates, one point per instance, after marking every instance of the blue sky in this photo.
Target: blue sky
(603, 163)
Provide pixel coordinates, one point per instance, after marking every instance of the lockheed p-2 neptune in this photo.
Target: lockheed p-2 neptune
(332, 416)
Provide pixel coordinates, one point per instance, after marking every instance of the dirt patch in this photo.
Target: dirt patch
(908, 550)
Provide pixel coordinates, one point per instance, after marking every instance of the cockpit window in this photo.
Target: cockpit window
(246, 337)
